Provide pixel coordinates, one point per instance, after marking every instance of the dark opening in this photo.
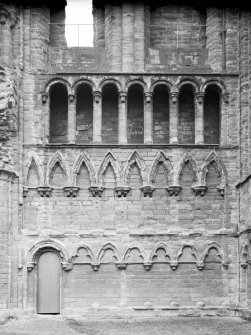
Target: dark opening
(186, 119)
(161, 114)
(110, 114)
(58, 113)
(135, 114)
(212, 115)
(84, 114)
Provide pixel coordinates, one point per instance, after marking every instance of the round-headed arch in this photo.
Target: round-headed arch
(57, 80)
(110, 81)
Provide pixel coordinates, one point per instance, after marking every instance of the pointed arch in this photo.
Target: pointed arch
(89, 252)
(128, 251)
(135, 158)
(56, 158)
(104, 248)
(185, 159)
(43, 245)
(109, 159)
(214, 245)
(33, 158)
(83, 158)
(213, 159)
(194, 252)
(161, 245)
(160, 159)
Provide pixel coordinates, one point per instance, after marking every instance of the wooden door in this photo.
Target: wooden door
(48, 298)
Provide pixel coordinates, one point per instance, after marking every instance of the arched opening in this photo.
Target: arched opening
(135, 114)
(48, 285)
(110, 114)
(186, 119)
(84, 114)
(58, 113)
(212, 115)
(161, 114)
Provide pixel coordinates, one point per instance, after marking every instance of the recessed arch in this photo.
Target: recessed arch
(34, 159)
(83, 158)
(57, 158)
(164, 246)
(104, 248)
(135, 113)
(212, 114)
(109, 159)
(220, 168)
(186, 159)
(186, 114)
(160, 159)
(133, 159)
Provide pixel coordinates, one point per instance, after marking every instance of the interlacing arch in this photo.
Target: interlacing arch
(160, 159)
(128, 251)
(133, 159)
(217, 247)
(88, 250)
(109, 159)
(33, 159)
(83, 158)
(57, 158)
(213, 159)
(194, 252)
(186, 159)
(163, 246)
(104, 248)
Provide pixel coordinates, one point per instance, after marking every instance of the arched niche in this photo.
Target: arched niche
(58, 113)
(212, 115)
(161, 114)
(135, 114)
(110, 113)
(186, 117)
(84, 114)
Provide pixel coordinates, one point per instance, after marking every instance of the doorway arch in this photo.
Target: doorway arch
(48, 283)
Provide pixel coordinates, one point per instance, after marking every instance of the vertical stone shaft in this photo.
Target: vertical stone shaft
(174, 110)
(128, 37)
(139, 37)
(148, 118)
(199, 120)
(97, 116)
(122, 118)
(5, 39)
(72, 119)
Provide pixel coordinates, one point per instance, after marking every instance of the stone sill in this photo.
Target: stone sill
(133, 146)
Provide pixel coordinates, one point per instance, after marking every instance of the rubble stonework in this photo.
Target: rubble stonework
(110, 158)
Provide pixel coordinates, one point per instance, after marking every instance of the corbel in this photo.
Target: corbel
(121, 265)
(174, 265)
(45, 191)
(199, 190)
(71, 191)
(147, 191)
(200, 97)
(122, 191)
(147, 265)
(71, 97)
(95, 266)
(174, 97)
(221, 190)
(97, 95)
(225, 97)
(25, 191)
(30, 266)
(96, 191)
(44, 97)
(173, 190)
(67, 266)
(122, 96)
(148, 96)
(200, 265)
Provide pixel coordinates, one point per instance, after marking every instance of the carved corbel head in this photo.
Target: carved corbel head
(200, 97)
(44, 97)
(97, 95)
(71, 97)
(174, 97)
(148, 96)
(225, 97)
(122, 96)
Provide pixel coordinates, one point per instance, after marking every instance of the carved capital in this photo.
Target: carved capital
(221, 190)
(96, 191)
(122, 96)
(225, 97)
(44, 191)
(95, 266)
(200, 97)
(147, 191)
(173, 190)
(174, 97)
(71, 97)
(148, 97)
(121, 265)
(25, 191)
(199, 190)
(147, 265)
(44, 97)
(97, 96)
(122, 191)
(71, 191)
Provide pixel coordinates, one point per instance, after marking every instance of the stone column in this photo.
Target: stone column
(71, 118)
(97, 116)
(7, 22)
(174, 112)
(148, 118)
(122, 117)
(46, 117)
(199, 118)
